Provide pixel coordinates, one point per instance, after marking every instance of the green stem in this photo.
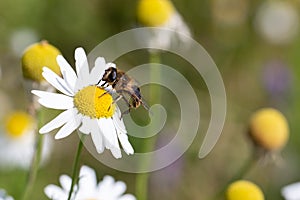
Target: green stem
(247, 166)
(32, 174)
(142, 179)
(75, 172)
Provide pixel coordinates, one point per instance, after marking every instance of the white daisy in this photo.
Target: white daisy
(4, 196)
(88, 188)
(291, 192)
(84, 103)
(17, 140)
(277, 21)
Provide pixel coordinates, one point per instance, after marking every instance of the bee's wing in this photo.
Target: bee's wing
(145, 105)
(123, 82)
(139, 94)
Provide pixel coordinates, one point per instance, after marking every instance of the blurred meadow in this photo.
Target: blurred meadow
(259, 67)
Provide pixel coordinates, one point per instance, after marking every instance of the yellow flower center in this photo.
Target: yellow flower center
(269, 128)
(36, 57)
(154, 12)
(18, 123)
(94, 102)
(244, 190)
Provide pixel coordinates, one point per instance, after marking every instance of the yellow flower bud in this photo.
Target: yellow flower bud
(18, 123)
(36, 57)
(269, 129)
(244, 190)
(154, 12)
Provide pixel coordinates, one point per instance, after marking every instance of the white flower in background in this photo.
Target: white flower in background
(291, 192)
(4, 196)
(88, 188)
(277, 22)
(162, 14)
(17, 140)
(84, 103)
(22, 38)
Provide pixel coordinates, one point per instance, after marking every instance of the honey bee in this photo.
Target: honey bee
(123, 85)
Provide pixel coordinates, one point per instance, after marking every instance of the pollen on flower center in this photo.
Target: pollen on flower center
(18, 123)
(94, 102)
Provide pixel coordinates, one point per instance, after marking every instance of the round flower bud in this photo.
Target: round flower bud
(269, 129)
(18, 123)
(244, 190)
(36, 57)
(154, 12)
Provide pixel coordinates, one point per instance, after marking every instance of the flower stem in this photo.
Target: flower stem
(31, 177)
(75, 172)
(247, 166)
(142, 179)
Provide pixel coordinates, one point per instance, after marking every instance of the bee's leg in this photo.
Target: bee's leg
(125, 112)
(115, 101)
(121, 96)
(126, 101)
(103, 94)
(128, 104)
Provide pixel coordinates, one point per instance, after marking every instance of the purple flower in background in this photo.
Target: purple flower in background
(277, 79)
(168, 178)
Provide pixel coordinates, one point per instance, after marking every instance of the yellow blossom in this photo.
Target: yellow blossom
(36, 57)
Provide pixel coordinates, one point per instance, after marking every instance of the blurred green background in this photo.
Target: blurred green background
(257, 72)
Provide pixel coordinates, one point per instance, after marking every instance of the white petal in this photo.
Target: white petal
(67, 71)
(291, 192)
(82, 68)
(68, 128)
(87, 178)
(110, 136)
(56, 81)
(58, 121)
(116, 152)
(54, 192)
(182, 31)
(106, 184)
(177, 23)
(97, 138)
(125, 143)
(119, 188)
(81, 61)
(162, 39)
(54, 100)
(65, 182)
(127, 197)
(118, 122)
(86, 125)
(80, 84)
(97, 71)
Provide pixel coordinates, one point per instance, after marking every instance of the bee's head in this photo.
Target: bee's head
(110, 75)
